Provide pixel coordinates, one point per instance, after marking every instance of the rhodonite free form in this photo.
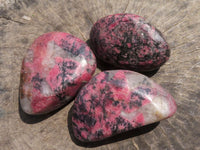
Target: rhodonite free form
(128, 41)
(55, 67)
(117, 101)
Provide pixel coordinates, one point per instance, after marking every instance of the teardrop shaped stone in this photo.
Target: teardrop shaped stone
(118, 101)
(55, 67)
(128, 41)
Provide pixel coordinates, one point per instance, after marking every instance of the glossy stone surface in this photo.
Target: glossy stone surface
(117, 101)
(127, 41)
(55, 67)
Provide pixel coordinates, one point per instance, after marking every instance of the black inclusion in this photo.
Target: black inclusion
(64, 67)
(114, 128)
(82, 107)
(87, 119)
(37, 81)
(99, 134)
(138, 101)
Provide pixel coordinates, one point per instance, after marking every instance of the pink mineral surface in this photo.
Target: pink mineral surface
(117, 101)
(128, 41)
(55, 67)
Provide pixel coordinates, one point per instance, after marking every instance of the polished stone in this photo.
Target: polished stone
(55, 67)
(118, 101)
(128, 41)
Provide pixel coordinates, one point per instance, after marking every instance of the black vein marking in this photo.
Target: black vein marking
(37, 81)
(139, 96)
(99, 134)
(137, 100)
(117, 83)
(77, 130)
(115, 103)
(146, 82)
(60, 95)
(81, 50)
(82, 107)
(120, 121)
(73, 48)
(86, 119)
(65, 67)
(111, 20)
(114, 128)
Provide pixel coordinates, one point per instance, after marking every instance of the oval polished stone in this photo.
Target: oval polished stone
(118, 101)
(55, 67)
(127, 41)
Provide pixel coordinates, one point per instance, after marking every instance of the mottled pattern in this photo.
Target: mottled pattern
(127, 41)
(53, 70)
(118, 101)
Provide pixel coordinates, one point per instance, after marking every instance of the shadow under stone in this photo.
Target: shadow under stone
(113, 139)
(150, 73)
(103, 66)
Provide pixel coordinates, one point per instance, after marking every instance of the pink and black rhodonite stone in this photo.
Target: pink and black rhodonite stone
(127, 41)
(55, 67)
(117, 101)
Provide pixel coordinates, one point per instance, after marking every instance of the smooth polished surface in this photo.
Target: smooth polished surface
(128, 41)
(118, 101)
(55, 67)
